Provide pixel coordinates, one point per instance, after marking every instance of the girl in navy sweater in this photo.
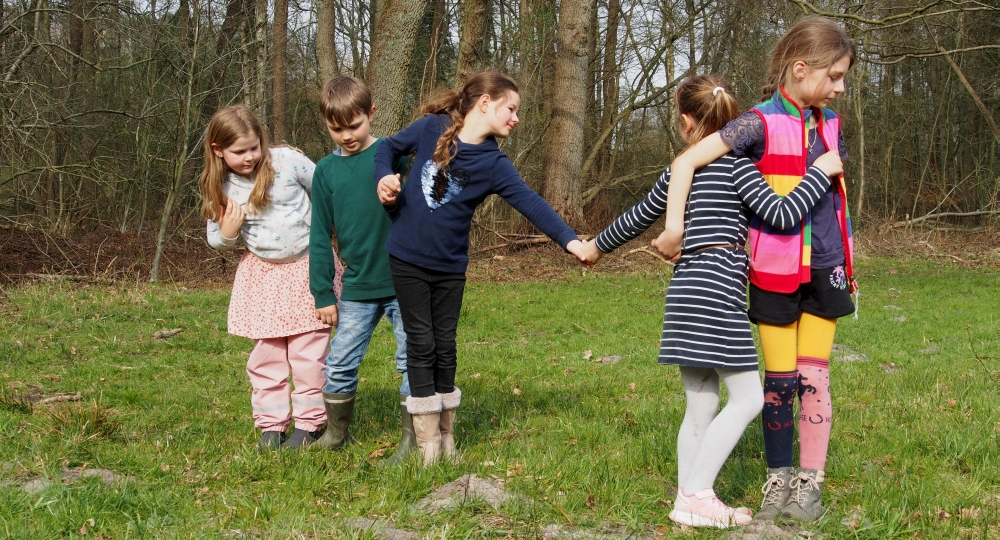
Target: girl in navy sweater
(458, 164)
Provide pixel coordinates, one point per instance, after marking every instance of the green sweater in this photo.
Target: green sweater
(344, 200)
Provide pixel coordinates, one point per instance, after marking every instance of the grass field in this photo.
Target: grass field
(914, 452)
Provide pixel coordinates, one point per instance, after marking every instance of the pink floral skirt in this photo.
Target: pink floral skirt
(273, 300)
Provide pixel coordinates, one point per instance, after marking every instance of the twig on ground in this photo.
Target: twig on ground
(649, 251)
(58, 398)
(584, 329)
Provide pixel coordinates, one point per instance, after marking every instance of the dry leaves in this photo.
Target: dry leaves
(587, 354)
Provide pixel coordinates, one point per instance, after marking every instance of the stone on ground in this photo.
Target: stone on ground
(464, 489)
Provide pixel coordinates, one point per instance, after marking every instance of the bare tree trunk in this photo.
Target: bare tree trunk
(326, 47)
(565, 144)
(431, 73)
(259, 88)
(177, 172)
(235, 19)
(472, 39)
(390, 61)
(278, 64)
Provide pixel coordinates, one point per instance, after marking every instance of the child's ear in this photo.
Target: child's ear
(216, 150)
(483, 102)
(371, 113)
(799, 70)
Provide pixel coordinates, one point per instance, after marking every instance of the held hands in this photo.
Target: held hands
(576, 248)
(389, 188)
(231, 220)
(669, 245)
(830, 164)
(328, 315)
(591, 253)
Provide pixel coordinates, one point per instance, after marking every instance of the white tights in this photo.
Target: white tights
(707, 436)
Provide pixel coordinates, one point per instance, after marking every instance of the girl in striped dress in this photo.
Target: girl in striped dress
(705, 329)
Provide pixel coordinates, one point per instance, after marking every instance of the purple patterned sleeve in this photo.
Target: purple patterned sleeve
(745, 135)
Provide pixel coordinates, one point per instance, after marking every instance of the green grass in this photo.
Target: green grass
(914, 449)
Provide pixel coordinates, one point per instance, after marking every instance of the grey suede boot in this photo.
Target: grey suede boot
(339, 411)
(776, 491)
(449, 405)
(426, 413)
(804, 502)
(407, 442)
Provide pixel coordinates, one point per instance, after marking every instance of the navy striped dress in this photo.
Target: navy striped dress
(705, 323)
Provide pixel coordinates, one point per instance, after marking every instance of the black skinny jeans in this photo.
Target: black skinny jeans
(430, 303)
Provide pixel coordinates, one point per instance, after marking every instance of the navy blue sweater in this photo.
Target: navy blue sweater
(433, 214)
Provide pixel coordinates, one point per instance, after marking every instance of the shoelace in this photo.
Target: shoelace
(802, 484)
(771, 489)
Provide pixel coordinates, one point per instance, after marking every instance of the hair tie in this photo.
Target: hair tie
(717, 89)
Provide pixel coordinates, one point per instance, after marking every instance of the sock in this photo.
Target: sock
(777, 418)
(815, 412)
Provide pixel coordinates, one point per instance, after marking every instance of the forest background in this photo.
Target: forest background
(104, 104)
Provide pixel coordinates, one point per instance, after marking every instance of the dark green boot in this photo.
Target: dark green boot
(339, 411)
(408, 441)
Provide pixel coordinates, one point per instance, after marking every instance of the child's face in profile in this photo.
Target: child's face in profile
(354, 137)
(820, 85)
(241, 156)
(502, 114)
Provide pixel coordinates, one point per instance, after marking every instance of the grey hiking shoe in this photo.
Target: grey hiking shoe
(804, 502)
(776, 490)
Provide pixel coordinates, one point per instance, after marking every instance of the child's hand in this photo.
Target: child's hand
(231, 220)
(576, 248)
(591, 252)
(328, 315)
(830, 164)
(388, 188)
(669, 245)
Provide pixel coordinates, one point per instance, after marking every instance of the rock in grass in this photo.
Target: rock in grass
(603, 531)
(36, 486)
(380, 528)
(761, 530)
(843, 353)
(166, 334)
(70, 475)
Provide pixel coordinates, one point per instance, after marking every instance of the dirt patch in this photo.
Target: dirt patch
(604, 531)
(763, 530)
(466, 488)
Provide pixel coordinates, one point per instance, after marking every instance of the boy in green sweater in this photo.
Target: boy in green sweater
(344, 200)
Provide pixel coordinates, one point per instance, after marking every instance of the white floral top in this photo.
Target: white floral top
(281, 231)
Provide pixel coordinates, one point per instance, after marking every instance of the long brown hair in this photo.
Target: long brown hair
(457, 104)
(709, 100)
(227, 125)
(815, 40)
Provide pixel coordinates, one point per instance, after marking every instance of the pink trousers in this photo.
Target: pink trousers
(272, 360)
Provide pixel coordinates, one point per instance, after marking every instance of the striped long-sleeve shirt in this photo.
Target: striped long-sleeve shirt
(722, 194)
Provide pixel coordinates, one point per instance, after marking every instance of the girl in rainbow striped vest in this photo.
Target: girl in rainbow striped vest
(800, 279)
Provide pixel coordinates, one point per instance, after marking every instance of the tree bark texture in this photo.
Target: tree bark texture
(565, 140)
(326, 48)
(472, 39)
(386, 75)
(279, 61)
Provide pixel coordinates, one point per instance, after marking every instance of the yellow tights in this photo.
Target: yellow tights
(809, 336)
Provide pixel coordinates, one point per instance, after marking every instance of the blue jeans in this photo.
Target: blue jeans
(356, 322)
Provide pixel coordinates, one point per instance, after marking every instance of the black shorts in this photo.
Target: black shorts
(827, 295)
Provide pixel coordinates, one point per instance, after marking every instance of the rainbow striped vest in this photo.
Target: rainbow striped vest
(779, 260)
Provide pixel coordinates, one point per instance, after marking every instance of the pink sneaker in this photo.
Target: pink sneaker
(704, 509)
